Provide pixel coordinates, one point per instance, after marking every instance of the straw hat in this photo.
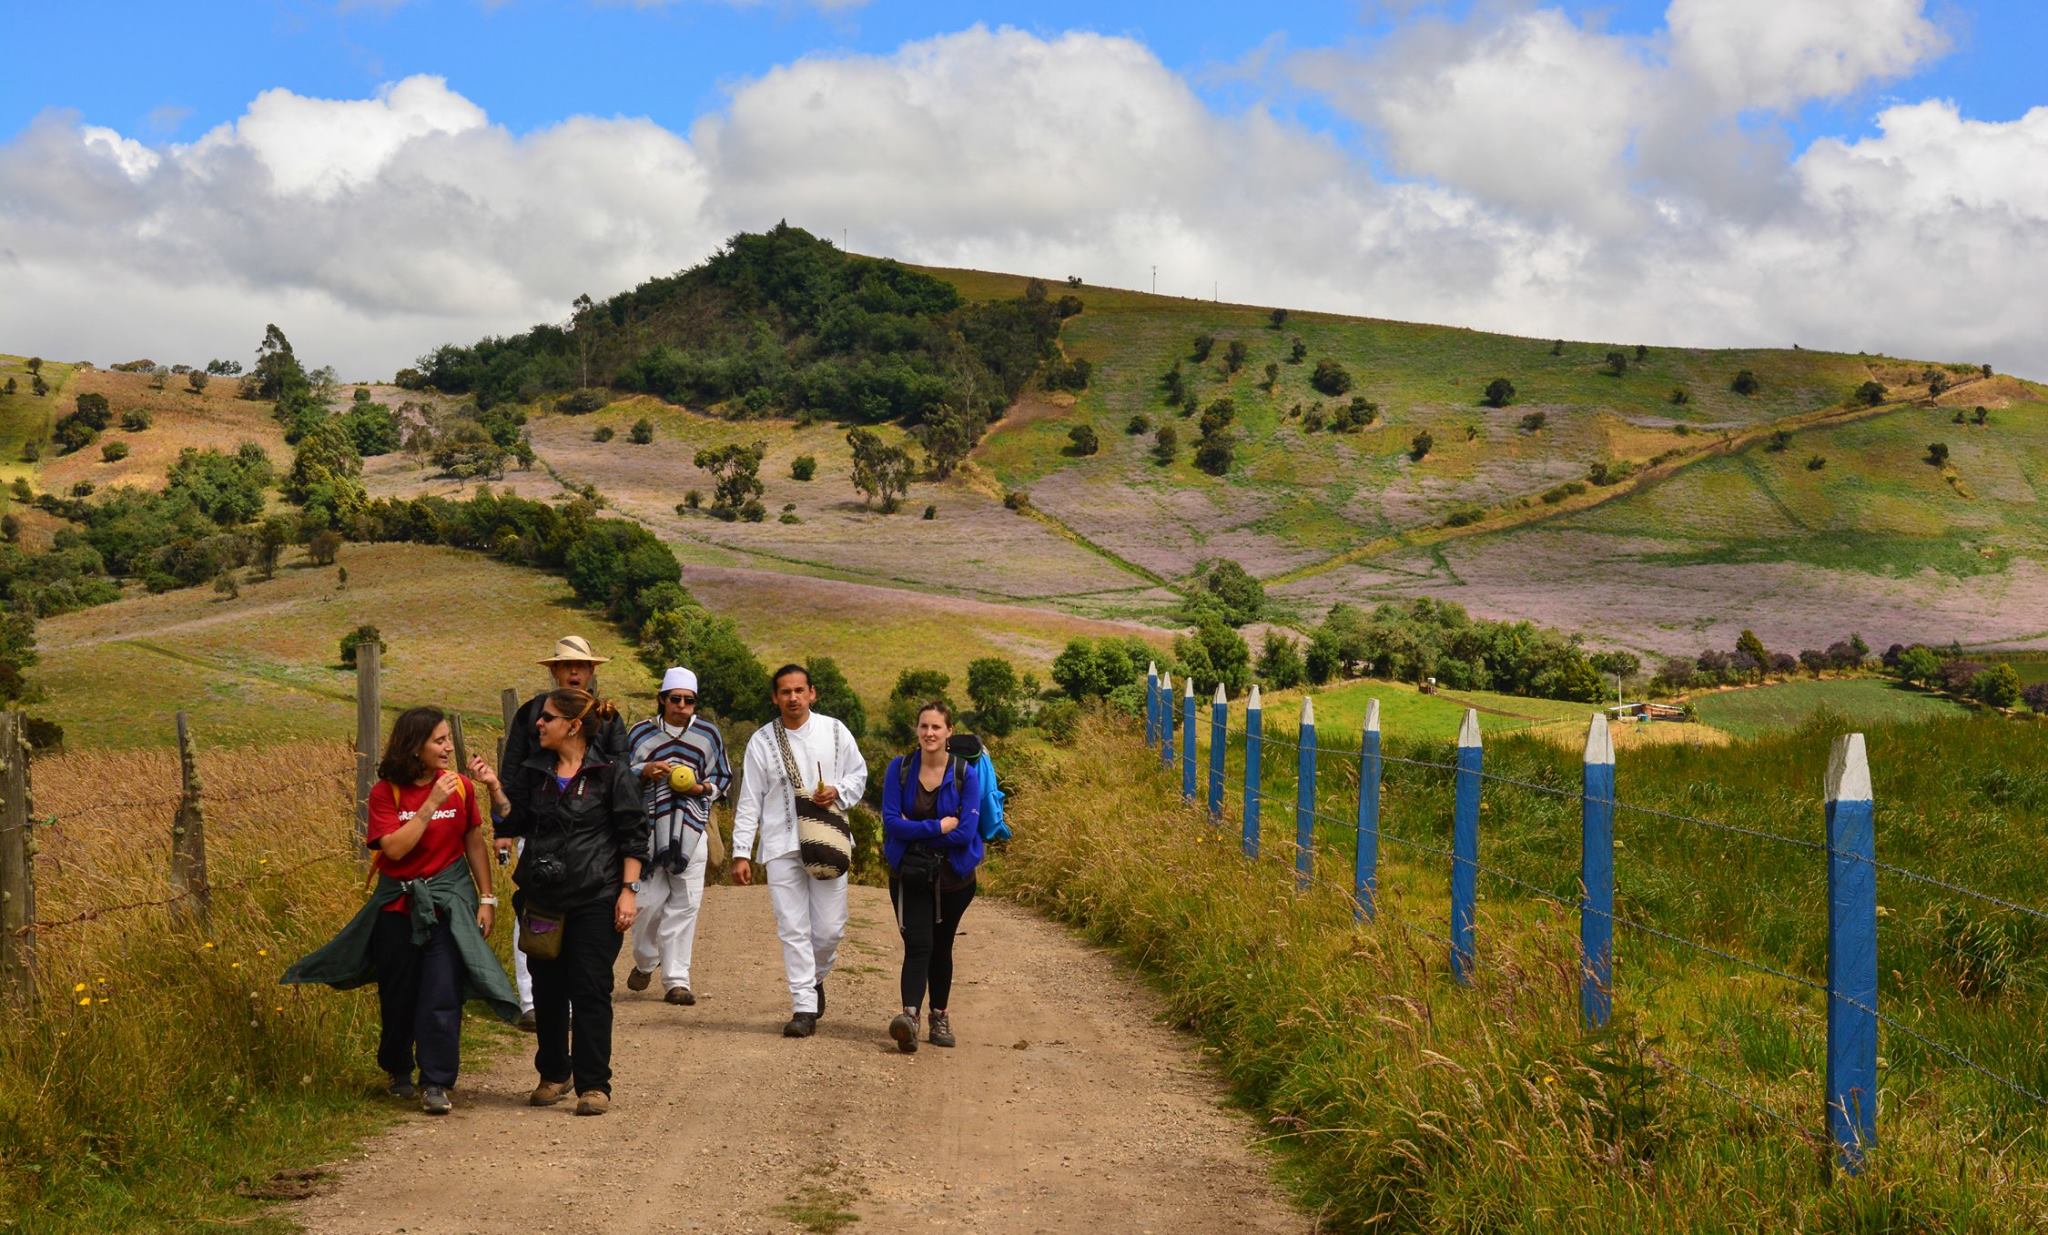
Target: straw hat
(573, 648)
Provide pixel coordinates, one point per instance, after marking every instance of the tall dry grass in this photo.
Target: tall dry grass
(165, 1068)
(1401, 1101)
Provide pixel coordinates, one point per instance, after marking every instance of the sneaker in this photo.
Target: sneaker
(942, 1029)
(595, 1102)
(904, 1030)
(801, 1025)
(434, 1100)
(547, 1093)
(401, 1087)
(638, 979)
(529, 1022)
(820, 988)
(680, 995)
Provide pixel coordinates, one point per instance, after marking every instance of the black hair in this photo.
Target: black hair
(402, 764)
(775, 679)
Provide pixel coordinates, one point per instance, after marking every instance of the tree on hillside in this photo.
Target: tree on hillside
(1081, 441)
(1330, 377)
(1420, 445)
(326, 475)
(37, 386)
(197, 380)
(1747, 644)
(1297, 352)
(1870, 393)
(735, 473)
(1215, 654)
(1616, 664)
(1214, 452)
(732, 683)
(1617, 364)
(1278, 319)
(1203, 344)
(582, 325)
(947, 436)
(1745, 383)
(993, 687)
(1533, 421)
(17, 654)
(1165, 444)
(879, 471)
(1937, 453)
(1499, 392)
(642, 432)
(35, 365)
(1272, 375)
(1998, 686)
(1280, 666)
(1234, 356)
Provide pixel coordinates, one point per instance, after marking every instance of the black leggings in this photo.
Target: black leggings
(928, 944)
(580, 979)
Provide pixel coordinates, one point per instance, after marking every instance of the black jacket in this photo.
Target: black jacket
(578, 837)
(524, 740)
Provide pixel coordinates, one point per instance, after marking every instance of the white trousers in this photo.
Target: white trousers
(810, 919)
(520, 973)
(666, 930)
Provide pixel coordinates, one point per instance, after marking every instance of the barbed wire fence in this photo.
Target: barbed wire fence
(1849, 987)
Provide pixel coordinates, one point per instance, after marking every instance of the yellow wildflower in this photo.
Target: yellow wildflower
(236, 965)
(78, 989)
(85, 1002)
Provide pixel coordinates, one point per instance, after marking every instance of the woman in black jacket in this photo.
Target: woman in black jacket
(586, 837)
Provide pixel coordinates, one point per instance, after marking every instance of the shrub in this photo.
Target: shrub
(323, 547)
(1060, 721)
(366, 633)
(1278, 319)
(692, 499)
(1871, 393)
(1297, 352)
(1280, 665)
(643, 432)
(1980, 416)
(1234, 356)
(1572, 488)
(1204, 343)
(1617, 364)
(1140, 423)
(931, 512)
(1608, 472)
(1499, 392)
(196, 379)
(1465, 516)
(1420, 445)
(2035, 696)
(1998, 686)
(1355, 415)
(1779, 440)
(1330, 378)
(1557, 348)
(1816, 463)
(1081, 441)
(1958, 418)
(1936, 383)
(1017, 499)
(997, 694)
(803, 467)
(580, 401)
(1215, 452)
(114, 452)
(1745, 383)
(1533, 421)
(1165, 445)
(603, 433)
(82, 488)
(135, 419)
(1937, 453)
(1682, 430)
(1642, 353)
(1312, 420)
(1679, 396)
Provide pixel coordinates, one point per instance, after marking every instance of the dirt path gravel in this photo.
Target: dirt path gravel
(1066, 1107)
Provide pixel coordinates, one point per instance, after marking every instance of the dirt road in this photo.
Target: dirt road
(1066, 1107)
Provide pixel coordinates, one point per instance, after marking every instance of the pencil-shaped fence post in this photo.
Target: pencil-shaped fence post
(1166, 720)
(1465, 848)
(1219, 723)
(1253, 742)
(1152, 703)
(1365, 871)
(1305, 798)
(1596, 874)
(1188, 729)
(1852, 953)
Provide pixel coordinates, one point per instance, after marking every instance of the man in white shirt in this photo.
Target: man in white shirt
(810, 913)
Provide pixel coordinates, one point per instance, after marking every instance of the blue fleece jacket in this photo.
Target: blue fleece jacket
(961, 846)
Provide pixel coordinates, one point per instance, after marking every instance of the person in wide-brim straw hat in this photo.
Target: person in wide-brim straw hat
(573, 666)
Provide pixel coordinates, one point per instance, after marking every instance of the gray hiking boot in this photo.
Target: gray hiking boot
(904, 1030)
(434, 1100)
(942, 1029)
(401, 1087)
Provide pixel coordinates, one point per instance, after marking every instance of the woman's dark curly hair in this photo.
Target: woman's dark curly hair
(401, 764)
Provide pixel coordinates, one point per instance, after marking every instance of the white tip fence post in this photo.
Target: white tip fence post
(1852, 953)
(1254, 742)
(1365, 872)
(1188, 729)
(1305, 798)
(1596, 875)
(1219, 725)
(1166, 720)
(1465, 848)
(1151, 703)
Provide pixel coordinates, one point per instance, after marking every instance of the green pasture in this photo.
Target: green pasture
(1755, 711)
(24, 418)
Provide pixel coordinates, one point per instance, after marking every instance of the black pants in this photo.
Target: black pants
(419, 992)
(928, 944)
(581, 977)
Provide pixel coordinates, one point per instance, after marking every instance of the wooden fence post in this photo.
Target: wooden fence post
(1305, 797)
(188, 839)
(1852, 953)
(17, 871)
(1187, 741)
(1365, 872)
(1596, 877)
(1465, 847)
(1166, 720)
(1219, 741)
(508, 706)
(1254, 726)
(369, 717)
(461, 747)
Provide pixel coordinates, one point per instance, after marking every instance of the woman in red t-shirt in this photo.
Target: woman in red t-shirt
(424, 818)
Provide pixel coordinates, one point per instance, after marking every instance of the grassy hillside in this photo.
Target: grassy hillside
(25, 418)
(1788, 705)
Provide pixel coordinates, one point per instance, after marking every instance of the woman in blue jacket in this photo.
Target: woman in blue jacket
(931, 839)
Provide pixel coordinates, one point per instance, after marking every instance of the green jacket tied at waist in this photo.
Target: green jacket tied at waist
(346, 962)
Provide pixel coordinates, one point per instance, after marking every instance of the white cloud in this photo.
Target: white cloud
(1774, 54)
(1562, 183)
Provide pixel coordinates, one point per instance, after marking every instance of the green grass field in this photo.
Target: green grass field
(1786, 706)
(24, 418)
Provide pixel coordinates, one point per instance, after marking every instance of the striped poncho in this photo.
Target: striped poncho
(679, 819)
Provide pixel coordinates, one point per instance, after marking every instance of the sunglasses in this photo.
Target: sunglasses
(680, 697)
(548, 718)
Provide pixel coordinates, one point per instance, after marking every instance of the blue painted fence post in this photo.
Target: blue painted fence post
(1219, 723)
(1166, 720)
(1596, 875)
(1305, 798)
(1465, 848)
(1253, 744)
(1365, 874)
(1188, 729)
(1152, 703)
(1852, 953)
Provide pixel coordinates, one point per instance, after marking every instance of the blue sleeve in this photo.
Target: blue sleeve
(894, 825)
(970, 808)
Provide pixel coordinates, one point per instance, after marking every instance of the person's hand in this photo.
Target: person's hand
(699, 789)
(654, 771)
(825, 795)
(742, 872)
(948, 824)
(628, 908)
(482, 773)
(445, 787)
(485, 916)
(504, 844)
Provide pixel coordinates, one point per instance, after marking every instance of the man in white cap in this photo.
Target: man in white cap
(681, 758)
(573, 667)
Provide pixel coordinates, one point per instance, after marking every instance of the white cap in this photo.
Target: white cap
(678, 679)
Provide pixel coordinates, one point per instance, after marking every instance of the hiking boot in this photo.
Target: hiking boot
(820, 988)
(942, 1029)
(680, 995)
(529, 1022)
(434, 1100)
(638, 979)
(595, 1102)
(904, 1030)
(547, 1093)
(401, 1087)
(801, 1025)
